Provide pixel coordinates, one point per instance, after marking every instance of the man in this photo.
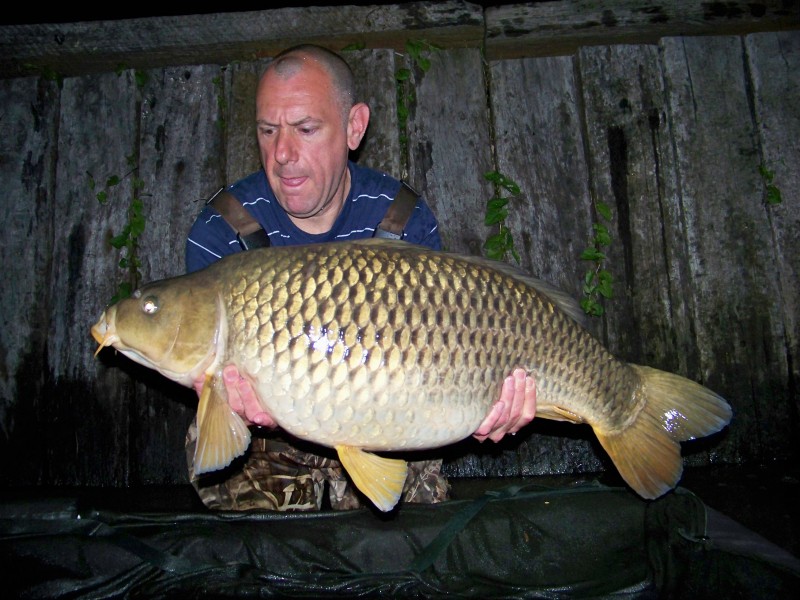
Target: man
(308, 192)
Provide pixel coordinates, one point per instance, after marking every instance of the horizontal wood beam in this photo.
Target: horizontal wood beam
(560, 28)
(507, 31)
(104, 46)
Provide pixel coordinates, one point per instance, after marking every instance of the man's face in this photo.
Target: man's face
(304, 142)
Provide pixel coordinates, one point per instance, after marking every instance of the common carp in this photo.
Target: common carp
(380, 346)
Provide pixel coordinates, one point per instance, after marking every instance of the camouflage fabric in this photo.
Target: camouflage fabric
(275, 475)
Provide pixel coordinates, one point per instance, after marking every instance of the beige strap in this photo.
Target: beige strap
(248, 231)
(398, 213)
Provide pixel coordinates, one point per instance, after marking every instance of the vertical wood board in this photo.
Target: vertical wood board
(449, 145)
(241, 142)
(774, 65)
(96, 134)
(27, 180)
(647, 319)
(737, 301)
(181, 157)
(374, 71)
(539, 145)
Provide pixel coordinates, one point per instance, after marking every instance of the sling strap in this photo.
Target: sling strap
(396, 217)
(250, 234)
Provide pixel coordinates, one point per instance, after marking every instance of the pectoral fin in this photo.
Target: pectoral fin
(380, 479)
(221, 434)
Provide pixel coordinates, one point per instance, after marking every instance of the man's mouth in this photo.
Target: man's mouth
(290, 182)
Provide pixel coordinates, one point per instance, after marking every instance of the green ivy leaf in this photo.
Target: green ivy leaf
(773, 195)
(119, 241)
(140, 77)
(603, 210)
(592, 254)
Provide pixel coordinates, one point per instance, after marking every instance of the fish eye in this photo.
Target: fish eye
(150, 305)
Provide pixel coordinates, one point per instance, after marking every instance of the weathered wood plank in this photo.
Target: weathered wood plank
(76, 48)
(633, 172)
(738, 323)
(87, 416)
(374, 72)
(180, 159)
(774, 65)
(241, 143)
(539, 145)
(556, 28)
(27, 180)
(449, 150)
(449, 145)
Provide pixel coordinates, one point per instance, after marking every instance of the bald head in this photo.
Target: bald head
(292, 61)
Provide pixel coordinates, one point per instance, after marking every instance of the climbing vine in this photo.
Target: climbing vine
(125, 241)
(500, 243)
(598, 282)
(773, 194)
(418, 52)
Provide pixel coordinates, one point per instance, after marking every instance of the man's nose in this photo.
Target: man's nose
(285, 150)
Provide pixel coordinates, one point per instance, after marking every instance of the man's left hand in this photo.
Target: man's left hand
(515, 408)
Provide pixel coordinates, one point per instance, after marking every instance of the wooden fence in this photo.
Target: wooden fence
(680, 135)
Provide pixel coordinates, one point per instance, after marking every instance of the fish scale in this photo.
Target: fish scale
(379, 345)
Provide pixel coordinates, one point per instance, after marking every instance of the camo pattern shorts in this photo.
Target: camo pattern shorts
(275, 475)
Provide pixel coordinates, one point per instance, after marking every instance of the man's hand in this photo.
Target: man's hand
(241, 398)
(515, 408)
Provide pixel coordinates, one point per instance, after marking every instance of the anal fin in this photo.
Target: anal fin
(380, 479)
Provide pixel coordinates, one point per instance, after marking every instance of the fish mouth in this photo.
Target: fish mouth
(104, 333)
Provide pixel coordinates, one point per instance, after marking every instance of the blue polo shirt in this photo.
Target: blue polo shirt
(371, 192)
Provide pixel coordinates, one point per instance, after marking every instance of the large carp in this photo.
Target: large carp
(384, 346)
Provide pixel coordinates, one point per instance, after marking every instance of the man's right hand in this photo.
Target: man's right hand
(242, 398)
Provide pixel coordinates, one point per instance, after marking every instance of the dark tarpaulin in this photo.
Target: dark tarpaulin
(517, 542)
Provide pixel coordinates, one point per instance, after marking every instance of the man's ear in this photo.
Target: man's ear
(357, 124)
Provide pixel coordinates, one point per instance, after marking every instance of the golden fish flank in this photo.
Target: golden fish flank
(383, 346)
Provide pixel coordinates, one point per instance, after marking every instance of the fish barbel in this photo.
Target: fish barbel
(377, 345)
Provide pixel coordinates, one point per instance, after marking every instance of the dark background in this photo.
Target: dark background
(73, 13)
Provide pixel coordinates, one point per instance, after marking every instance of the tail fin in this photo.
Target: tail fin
(647, 453)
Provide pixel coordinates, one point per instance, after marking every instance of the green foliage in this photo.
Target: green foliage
(139, 77)
(45, 72)
(354, 46)
(501, 243)
(127, 240)
(222, 103)
(773, 193)
(598, 281)
(417, 52)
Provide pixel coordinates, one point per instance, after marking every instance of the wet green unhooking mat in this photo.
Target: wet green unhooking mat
(587, 541)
